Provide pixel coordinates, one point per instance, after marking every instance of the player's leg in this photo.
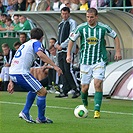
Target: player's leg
(84, 94)
(98, 74)
(34, 85)
(85, 75)
(26, 84)
(41, 103)
(29, 101)
(97, 97)
(27, 81)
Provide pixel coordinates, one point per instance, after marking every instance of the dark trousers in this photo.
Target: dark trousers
(67, 78)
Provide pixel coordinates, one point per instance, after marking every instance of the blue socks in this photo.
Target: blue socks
(30, 99)
(41, 103)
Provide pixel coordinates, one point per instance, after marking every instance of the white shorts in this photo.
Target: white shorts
(96, 71)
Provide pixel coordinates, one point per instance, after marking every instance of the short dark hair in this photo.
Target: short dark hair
(65, 9)
(36, 33)
(22, 33)
(53, 39)
(16, 44)
(92, 10)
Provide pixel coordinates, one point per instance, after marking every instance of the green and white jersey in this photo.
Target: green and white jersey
(92, 42)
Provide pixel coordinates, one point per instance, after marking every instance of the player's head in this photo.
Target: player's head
(91, 16)
(36, 33)
(92, 10)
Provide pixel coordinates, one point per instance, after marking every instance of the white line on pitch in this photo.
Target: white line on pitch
(57, 107)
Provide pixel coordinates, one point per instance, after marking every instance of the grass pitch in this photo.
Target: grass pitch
(116, 116)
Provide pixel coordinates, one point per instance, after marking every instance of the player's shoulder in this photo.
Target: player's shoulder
(102, 25)
(83, 25)
(31, 43)
(34, 41)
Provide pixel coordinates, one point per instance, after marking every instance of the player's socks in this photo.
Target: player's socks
(41, 103)
(30, 99)
(98, 100)
(84, 97)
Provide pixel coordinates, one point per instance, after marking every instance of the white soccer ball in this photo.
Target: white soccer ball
(80, 111)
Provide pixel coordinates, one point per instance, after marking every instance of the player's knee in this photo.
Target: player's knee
(85, 88)
(98, 85)
(42, 92)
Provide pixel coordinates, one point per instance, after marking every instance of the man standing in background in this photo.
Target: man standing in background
(69, 81)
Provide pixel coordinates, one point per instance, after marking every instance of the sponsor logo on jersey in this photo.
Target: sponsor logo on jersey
(92, 40)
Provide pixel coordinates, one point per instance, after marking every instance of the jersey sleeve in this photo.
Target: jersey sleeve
(37, 47)
(111, 32)
(74, 35)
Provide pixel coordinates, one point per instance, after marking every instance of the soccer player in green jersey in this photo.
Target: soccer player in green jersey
(93, 55)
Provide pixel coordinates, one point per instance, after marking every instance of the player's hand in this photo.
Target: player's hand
(59, 71)
(68, 59)
(118, 56)
(10, 87)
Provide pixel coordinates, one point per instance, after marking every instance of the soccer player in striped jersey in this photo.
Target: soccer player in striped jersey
(20, 74)
(93, 55)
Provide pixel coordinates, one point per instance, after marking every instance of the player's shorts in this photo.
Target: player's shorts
(26, 81)
(96, 71)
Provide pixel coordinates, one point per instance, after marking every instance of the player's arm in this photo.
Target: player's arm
(113, 34)
(46, 59)
(39, 51)
(72, 38)
(118, 50)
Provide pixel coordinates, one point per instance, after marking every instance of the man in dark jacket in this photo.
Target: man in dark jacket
(69, 81)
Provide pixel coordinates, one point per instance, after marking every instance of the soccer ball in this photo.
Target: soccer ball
(80, 111)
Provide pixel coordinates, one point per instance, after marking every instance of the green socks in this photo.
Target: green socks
(98, 100)
(84, 97)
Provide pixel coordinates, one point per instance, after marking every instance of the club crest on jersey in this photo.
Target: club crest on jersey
(92, 40)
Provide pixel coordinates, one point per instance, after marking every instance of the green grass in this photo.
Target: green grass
(116, 116)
